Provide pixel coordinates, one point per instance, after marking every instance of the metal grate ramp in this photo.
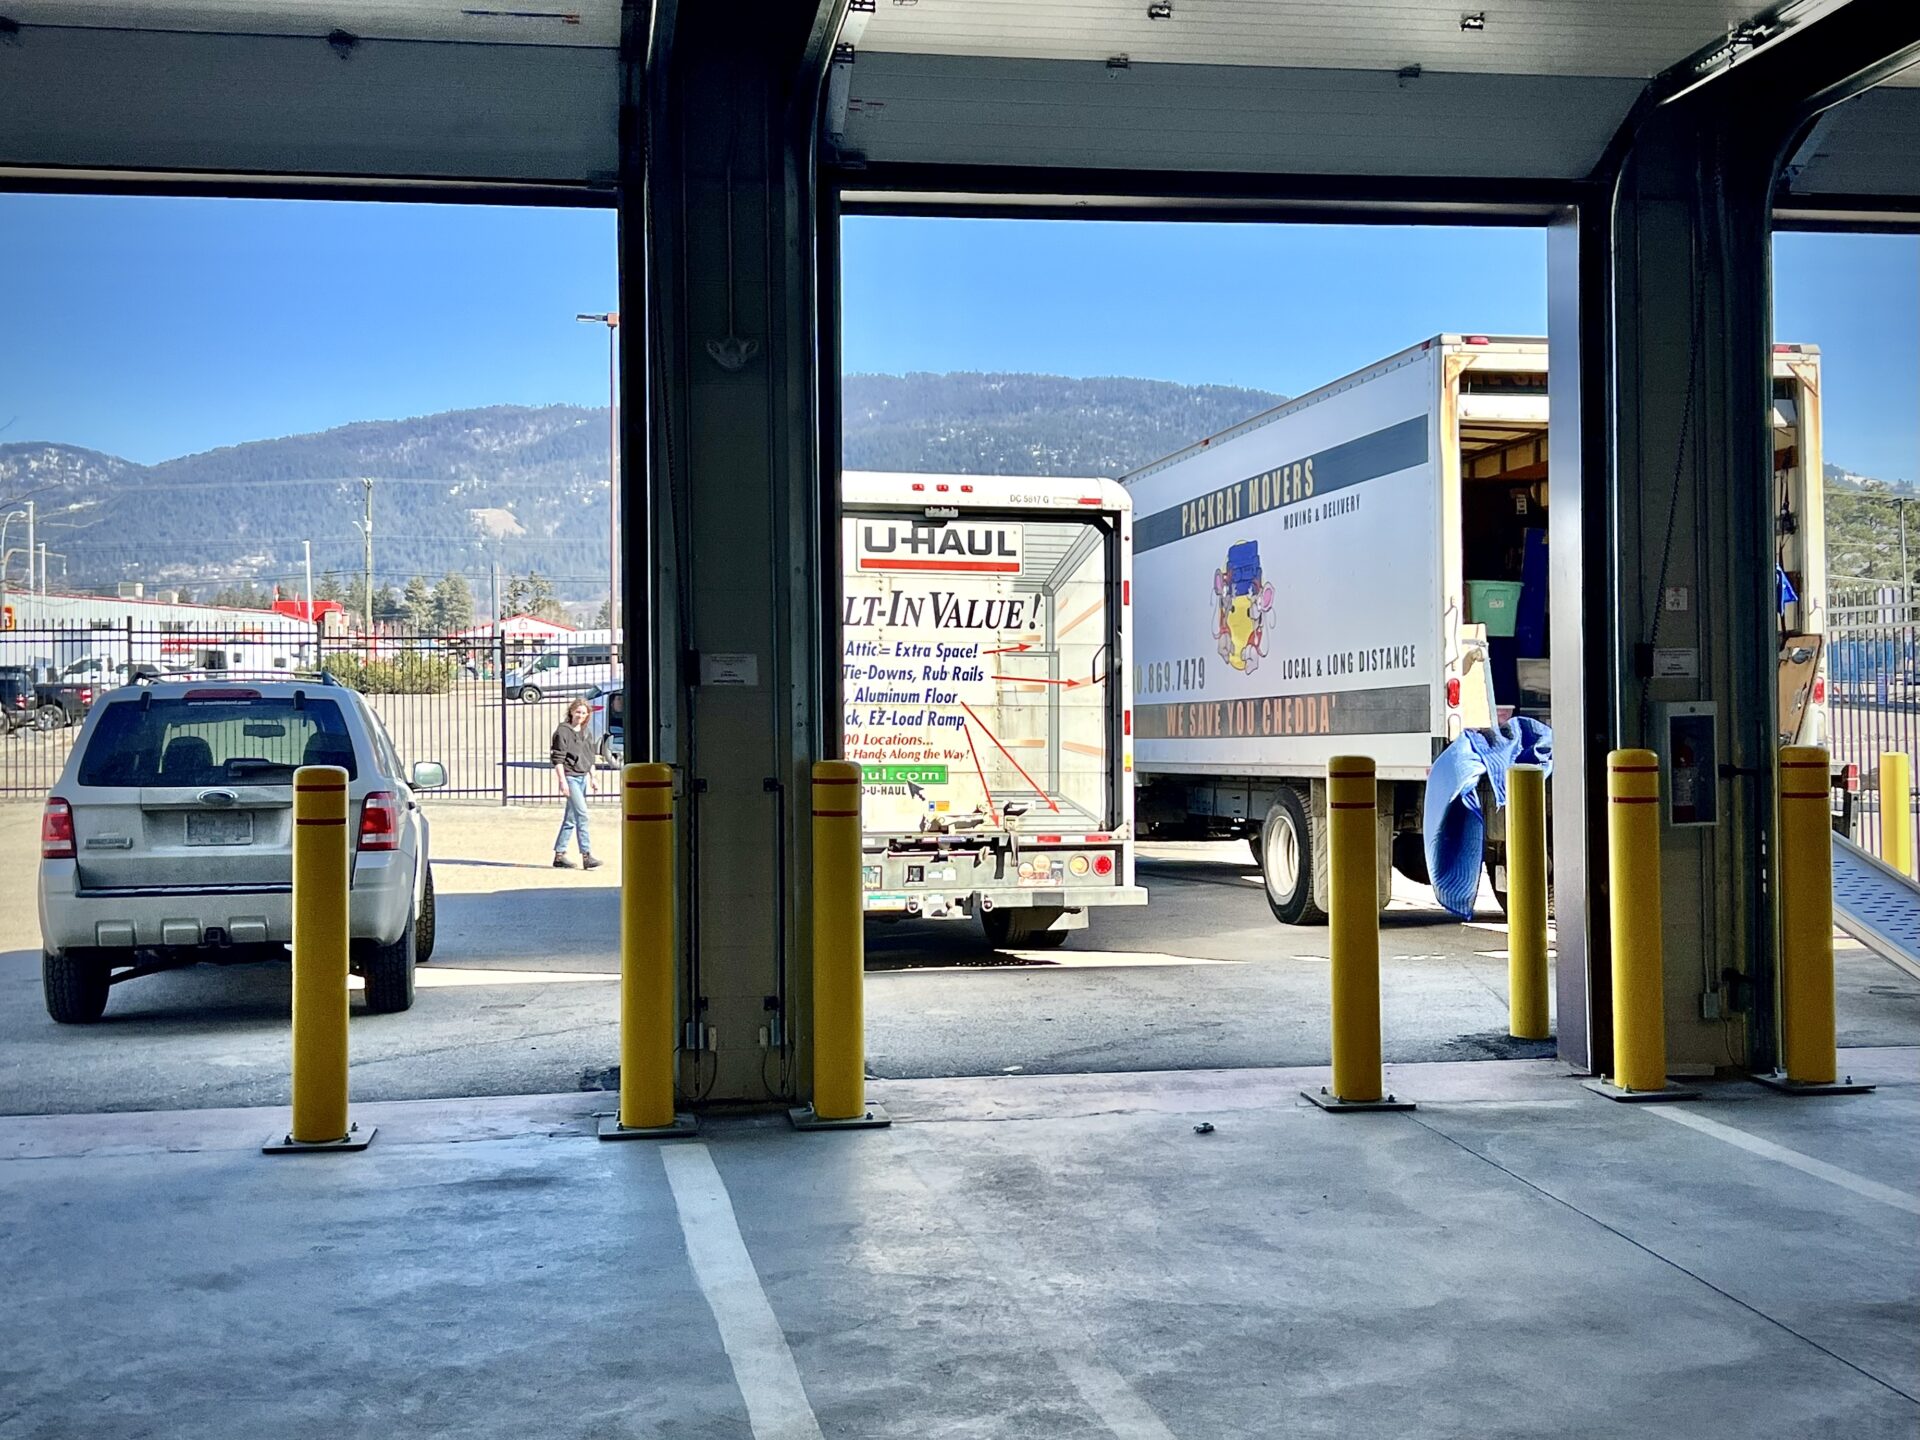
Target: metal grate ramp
(1876, 904)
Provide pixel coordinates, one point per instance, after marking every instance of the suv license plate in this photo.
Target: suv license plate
(220, 828)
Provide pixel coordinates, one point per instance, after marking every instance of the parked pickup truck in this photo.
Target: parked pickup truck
(26, 700)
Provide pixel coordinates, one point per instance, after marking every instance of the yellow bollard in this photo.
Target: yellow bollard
(1806, 915)
(1633, 871)
(646, 958)
(1527, 902)
(1354, 940)
(1896, 811)
(321, 875)
(839, 957)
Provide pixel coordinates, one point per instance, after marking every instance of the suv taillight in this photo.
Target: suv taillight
(380, 822)
(56, 830)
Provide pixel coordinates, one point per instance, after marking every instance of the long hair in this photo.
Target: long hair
(580, 705)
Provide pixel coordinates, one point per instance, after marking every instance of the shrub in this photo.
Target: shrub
(410, 674)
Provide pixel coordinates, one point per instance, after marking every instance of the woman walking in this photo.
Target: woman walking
(572, 756)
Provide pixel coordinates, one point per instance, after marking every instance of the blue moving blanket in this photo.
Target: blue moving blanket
(1455, 830)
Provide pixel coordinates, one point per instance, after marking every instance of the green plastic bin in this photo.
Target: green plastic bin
(1494, 604)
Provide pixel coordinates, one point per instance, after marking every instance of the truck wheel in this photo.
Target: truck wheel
(1286, 847)
(1500, 891)
(530, 694)
(74, 986)
(1007, 929)
(423, 928)
(1410, 856)
(388, 971)
(49, 717)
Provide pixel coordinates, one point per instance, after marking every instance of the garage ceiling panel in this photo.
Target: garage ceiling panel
(128, 100)
(487, 22)
(1526, 37)
(935, 109)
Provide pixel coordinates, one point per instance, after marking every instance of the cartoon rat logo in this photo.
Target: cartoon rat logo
(1242, 601)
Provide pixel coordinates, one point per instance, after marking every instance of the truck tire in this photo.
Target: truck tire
(74, 986)
(423, 928)
(388, 971)
(1009, 929)
(1500, 892)
(1410, 856)
(49, 717)
(1288, 858)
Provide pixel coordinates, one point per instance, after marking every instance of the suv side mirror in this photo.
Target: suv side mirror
(428, 775)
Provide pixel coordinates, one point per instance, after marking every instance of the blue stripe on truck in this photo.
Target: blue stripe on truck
(1352, 462)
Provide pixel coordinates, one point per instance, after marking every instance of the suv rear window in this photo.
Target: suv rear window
(185, 741)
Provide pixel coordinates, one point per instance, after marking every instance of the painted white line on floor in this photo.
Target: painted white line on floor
(1805, 1164)
(1110, 1397)
(763, 1368)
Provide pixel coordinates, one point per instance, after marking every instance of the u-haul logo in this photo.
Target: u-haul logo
(949, 549)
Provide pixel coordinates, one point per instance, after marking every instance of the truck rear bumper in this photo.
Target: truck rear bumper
(1009, 897)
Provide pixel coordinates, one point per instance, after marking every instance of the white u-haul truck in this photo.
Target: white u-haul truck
(986, 696)
(1362, 570)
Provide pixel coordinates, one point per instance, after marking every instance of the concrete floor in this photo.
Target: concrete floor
(521, 996)
(1056, 1257)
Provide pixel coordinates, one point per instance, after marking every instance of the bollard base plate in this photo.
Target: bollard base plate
(354, 1139)
(1639, 1097)
(1332, 1103)
(1777, 1080)
(874, 1118)
(682, 1126)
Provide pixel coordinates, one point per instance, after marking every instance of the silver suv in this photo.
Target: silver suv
(167, 840)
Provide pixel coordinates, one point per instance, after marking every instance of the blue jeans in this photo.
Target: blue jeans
(574, 822)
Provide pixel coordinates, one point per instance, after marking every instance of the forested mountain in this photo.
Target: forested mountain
(526, 488)
(970, 424)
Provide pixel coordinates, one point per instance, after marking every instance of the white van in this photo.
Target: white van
(565, 665)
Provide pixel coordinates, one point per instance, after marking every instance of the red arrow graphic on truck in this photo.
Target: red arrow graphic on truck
(1010, 760)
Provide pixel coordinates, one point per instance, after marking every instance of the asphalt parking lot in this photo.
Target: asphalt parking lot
(520, 997)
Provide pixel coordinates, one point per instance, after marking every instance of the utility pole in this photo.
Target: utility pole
(43, 566)
(307, 547)
(367, 533)
(611, 319)
(30, 550)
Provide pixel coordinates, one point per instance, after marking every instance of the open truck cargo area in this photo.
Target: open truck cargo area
(985, 684)
(1364, 570)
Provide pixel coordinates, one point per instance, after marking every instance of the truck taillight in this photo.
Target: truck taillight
(56, 830)
(1475, 339)
(1453, 694)
(1103, 864)
(1852, 781)
(1819, 689)
(380, 822)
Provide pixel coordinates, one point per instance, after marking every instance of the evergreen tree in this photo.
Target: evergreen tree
(329, 588)
(417, 603)
(388, 607)
(603, 617)
(452, 605)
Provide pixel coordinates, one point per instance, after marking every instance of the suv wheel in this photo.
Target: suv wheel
(388, 971)
(75, 986)
(424, 927)
(530, 694)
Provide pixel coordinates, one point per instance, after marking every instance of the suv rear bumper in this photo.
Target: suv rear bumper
(379, 907)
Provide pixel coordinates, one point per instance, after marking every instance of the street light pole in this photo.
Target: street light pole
(367, 535)
(611, 319)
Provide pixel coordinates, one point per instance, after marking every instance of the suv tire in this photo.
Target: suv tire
(388, 971)
(75, 986)
(423, 929)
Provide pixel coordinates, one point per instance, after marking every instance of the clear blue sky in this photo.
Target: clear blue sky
(152, 328)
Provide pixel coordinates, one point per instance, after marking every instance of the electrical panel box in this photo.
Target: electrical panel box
(1690, 763)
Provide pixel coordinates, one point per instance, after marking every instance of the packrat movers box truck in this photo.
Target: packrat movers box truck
(986, 626)
(1362, 570)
